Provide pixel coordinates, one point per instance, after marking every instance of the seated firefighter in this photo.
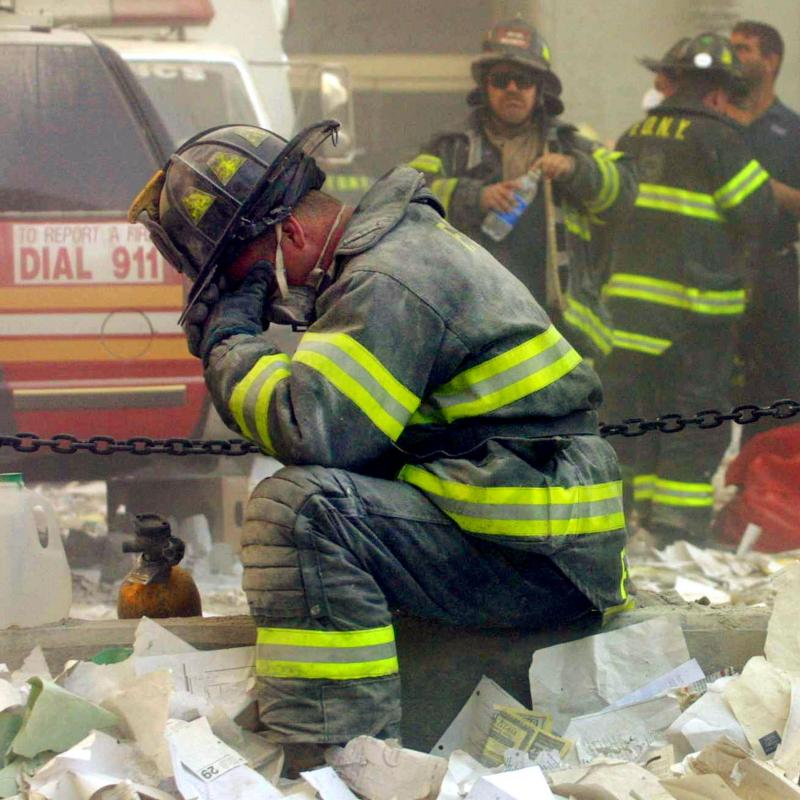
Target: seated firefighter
(440, 434)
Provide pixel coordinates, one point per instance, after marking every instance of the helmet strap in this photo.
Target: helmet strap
(318, 273)
(280, 267)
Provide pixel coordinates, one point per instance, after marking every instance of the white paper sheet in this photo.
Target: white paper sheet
(10, 695)
(152, 639)
(96, 682)
(609, 778)
(522, 784)
(223, 677)
(625, 733)
(468, 731)
(328, 784)
(583, 677)
(782, 647)
(705, 721)
(463, 772)
(691, 590)
(684, 675)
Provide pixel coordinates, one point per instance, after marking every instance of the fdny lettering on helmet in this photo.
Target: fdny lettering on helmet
(100, 253)
(197, 202)
(662, 127)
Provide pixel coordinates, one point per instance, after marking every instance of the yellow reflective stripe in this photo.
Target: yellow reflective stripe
(238, 402)
(297, 637)
(330, 655)
(681, 493)
(678, 201)
(669, 293)
(443, 189)
(741, 185)
(262, 408)
(628, 603)
(577, 225)
(426, 162)
(585, 320)
(609, 191)
(523, 510)
(643, 487)
(650, 345)
(388, 404)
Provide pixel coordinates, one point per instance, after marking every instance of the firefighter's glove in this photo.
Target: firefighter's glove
(237, 310)
(195, 322)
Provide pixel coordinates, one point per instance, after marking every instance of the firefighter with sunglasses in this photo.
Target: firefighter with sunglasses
(558, 245)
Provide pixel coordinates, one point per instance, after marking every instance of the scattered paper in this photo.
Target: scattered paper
(622, 733)
(611, 779)
(782, 647)
(684, 675)
(381, 770)
(585, 676)
(523, 784)
(95, 682)
(468, 731)
(699, 787)
(760, 699)
(463, 772)
(520, 729)
(223, 677)
(10, 695)
(691, 590)
(152, 639)
(205, 768)
(328, 784)
(756, 780)
(34, 666)
(706, 721)
(787, 756)
(56, 719)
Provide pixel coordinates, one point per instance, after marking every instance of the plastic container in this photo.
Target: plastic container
(498, 224)
(35, 580)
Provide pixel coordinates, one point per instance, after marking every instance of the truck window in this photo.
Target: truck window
(70, 140)
(193, 96)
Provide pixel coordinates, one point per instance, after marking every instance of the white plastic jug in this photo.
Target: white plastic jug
(35, 581)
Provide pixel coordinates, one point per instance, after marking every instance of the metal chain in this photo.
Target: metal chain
(65, 444)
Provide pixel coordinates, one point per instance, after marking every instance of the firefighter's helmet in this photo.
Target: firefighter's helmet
(520, 43)
(223, 188)
(667, 62)
(709, 54)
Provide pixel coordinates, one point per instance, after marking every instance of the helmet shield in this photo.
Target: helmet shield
(224, 187)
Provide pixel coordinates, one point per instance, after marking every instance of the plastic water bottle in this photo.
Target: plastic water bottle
(498, 224)
(35, 580)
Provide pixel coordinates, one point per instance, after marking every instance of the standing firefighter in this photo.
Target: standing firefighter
(677, 285)
(440, 433)
(561, 236)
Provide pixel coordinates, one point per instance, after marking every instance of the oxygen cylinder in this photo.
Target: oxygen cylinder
(157, 587)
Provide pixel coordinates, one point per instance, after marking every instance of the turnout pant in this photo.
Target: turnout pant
(328, 555)
(669, 475)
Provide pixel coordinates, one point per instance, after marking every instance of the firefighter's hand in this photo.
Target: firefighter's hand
(499, 196)
(555, 166)
(194, 324)
(238, 310)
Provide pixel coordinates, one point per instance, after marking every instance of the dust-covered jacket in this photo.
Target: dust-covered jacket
(429, 363)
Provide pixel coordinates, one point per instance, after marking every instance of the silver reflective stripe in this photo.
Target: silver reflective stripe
(250, 405)
(684, 295)
(564, 511)
(506, 378)
(359, 374)
(327, 655)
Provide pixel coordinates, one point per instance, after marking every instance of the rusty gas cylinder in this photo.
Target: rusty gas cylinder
(157, 587)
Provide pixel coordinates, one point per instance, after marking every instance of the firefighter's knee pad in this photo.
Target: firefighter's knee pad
(272, 556)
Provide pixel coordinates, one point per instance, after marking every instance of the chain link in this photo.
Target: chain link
(65, 444)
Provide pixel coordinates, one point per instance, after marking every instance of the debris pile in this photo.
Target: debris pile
(625, 714)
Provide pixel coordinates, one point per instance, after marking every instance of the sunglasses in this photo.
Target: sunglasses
(502, 79)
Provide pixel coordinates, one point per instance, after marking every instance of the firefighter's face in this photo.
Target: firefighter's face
(511, 91)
